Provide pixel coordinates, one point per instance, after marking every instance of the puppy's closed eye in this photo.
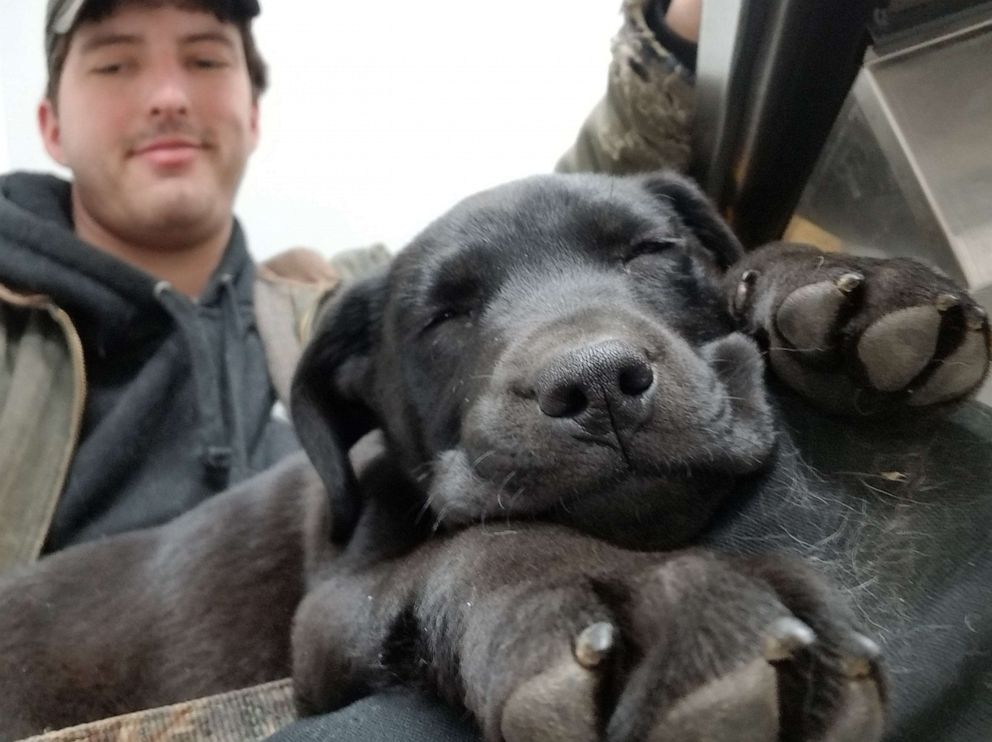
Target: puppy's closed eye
(456, 296)
(647, 248)
(445, 316)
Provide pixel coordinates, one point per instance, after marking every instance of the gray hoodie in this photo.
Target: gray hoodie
(179, 403)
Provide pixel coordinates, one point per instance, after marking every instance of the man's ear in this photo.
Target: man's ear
(330, 390)
(51, 132)
(254, 124)
(698, 214)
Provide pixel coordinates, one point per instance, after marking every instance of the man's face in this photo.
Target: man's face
(156, 120)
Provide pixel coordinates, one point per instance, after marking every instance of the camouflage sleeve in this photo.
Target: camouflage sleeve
(239, 716)
(643, 122)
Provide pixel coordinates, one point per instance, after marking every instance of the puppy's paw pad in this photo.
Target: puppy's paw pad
(558, 704)
(745, 698)
(898, 346)
(860, 718)
(958, 373)
(808, 317)
(860, 715)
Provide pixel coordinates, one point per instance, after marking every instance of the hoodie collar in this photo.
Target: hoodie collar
(40, 253)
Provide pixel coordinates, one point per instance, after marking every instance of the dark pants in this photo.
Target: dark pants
(897, 513)
(385, 717)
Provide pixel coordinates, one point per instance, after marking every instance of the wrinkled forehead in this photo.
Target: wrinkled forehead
(546, 220)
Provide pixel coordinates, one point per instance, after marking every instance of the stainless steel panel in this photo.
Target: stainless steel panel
(934, 113)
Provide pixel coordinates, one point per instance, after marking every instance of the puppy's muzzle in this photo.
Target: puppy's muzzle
(601, 388)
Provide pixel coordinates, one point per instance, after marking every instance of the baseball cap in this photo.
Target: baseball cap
(62, 14)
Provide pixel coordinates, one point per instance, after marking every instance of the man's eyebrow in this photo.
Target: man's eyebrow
(99, 41)
(216, 36)
(109, 39)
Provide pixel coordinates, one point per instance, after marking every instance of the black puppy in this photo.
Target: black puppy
(562, 350)
(570, 349)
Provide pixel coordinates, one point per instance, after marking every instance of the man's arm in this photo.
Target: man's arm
(644, 121)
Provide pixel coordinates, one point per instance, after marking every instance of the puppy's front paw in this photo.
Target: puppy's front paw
(861, 335)
(695, 649)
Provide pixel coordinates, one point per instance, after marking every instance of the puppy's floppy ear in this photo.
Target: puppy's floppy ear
(698, 214)
(329, 393)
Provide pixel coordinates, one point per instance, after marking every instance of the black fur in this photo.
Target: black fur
(554, 358)
(560, 349)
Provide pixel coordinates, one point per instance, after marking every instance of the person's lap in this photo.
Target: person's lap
(396, 714)
(900, 516)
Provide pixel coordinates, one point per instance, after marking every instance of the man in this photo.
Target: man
(161, 386)
(135, 382)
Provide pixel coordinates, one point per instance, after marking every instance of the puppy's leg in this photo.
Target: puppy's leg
(546, 635)
(199, 606)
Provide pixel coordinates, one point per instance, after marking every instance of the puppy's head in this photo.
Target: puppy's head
(555, 347)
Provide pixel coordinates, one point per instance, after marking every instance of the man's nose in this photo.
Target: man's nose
(168, 94)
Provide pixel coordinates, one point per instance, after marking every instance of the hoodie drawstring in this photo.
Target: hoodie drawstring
(221, 435)
(233, 378)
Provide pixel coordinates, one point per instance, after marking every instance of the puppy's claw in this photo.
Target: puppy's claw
(868, 646)
(744, 289)
(945, 302)
(786, 636)
(849, 282)
(860, 663)
(594, 644)
(977, 318)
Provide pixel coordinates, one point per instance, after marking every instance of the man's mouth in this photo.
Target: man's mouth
(168, 152)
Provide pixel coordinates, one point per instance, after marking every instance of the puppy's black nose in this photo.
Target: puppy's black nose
(605, 384)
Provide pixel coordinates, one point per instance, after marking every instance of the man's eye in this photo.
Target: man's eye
(110, 69)
(203, 63)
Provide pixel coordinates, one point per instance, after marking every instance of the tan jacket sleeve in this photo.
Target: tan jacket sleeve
(644, 120)
(42, 395)
(289, 289)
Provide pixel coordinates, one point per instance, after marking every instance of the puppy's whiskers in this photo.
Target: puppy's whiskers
(439, 520)
(422, 472)
(428, 503)
(516, 496)
(502, 486)
(483, 457)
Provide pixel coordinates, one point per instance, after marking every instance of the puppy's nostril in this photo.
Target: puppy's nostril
(635, 379)
(566, 400)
